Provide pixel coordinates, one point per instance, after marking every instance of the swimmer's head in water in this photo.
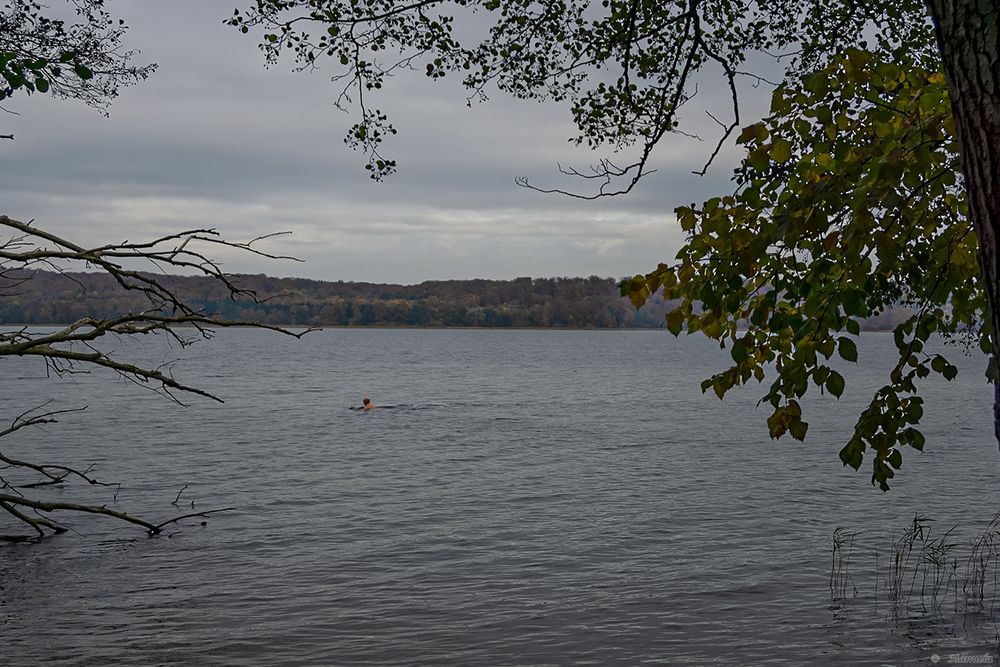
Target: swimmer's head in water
(366, 400)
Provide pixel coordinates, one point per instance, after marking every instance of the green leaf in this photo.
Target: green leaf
(675, 321)
(798, 429)
(756, 132)
(835, 384)
(781, 150)
(759, 159)
(719, 389)
(638, 296)
(853, 453)
(916, 439)
(816, 83)
(83, 71)
(826, 347)
(847, 349)
(938, 363)
(895, 459)
(883, 473)
(777, 423)
(15, 79)
(854, 303)
(739, 351)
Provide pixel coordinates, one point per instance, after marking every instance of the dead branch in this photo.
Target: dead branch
(11, 503)
(15, 501)
(76, 347)
(204, 514)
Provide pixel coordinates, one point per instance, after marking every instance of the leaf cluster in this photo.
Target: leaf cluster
(849, 202)
(624, 68)
(75, 53)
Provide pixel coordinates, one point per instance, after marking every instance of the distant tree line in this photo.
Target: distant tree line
(55, 298)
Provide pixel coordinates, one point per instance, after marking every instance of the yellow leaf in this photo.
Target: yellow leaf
(781, 150)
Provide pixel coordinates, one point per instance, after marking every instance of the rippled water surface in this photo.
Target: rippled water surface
(530, 498)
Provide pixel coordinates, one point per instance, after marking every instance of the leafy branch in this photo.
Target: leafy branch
(847, 205)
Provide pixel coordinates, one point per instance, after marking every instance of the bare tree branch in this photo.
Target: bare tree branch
(76, 347)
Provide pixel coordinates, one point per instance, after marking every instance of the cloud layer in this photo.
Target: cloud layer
(214, 139)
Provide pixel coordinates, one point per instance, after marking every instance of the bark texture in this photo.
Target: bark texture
(967, 33)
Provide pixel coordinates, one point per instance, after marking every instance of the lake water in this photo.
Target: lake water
(532, 498)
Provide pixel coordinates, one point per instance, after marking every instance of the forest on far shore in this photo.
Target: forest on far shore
(49, 297)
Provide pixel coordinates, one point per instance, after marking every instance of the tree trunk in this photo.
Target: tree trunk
(968, 33)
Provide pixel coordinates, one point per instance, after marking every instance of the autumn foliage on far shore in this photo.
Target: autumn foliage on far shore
(52, 298)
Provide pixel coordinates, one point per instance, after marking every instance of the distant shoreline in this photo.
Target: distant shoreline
(47, 298)
(407, 327)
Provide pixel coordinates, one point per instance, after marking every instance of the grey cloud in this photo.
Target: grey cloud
(215, 139)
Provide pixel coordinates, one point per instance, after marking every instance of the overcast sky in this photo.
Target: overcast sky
(215, 139)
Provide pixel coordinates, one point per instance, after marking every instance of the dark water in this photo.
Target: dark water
(532, 498)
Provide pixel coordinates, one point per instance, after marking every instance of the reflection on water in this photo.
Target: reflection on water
(517, 498)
